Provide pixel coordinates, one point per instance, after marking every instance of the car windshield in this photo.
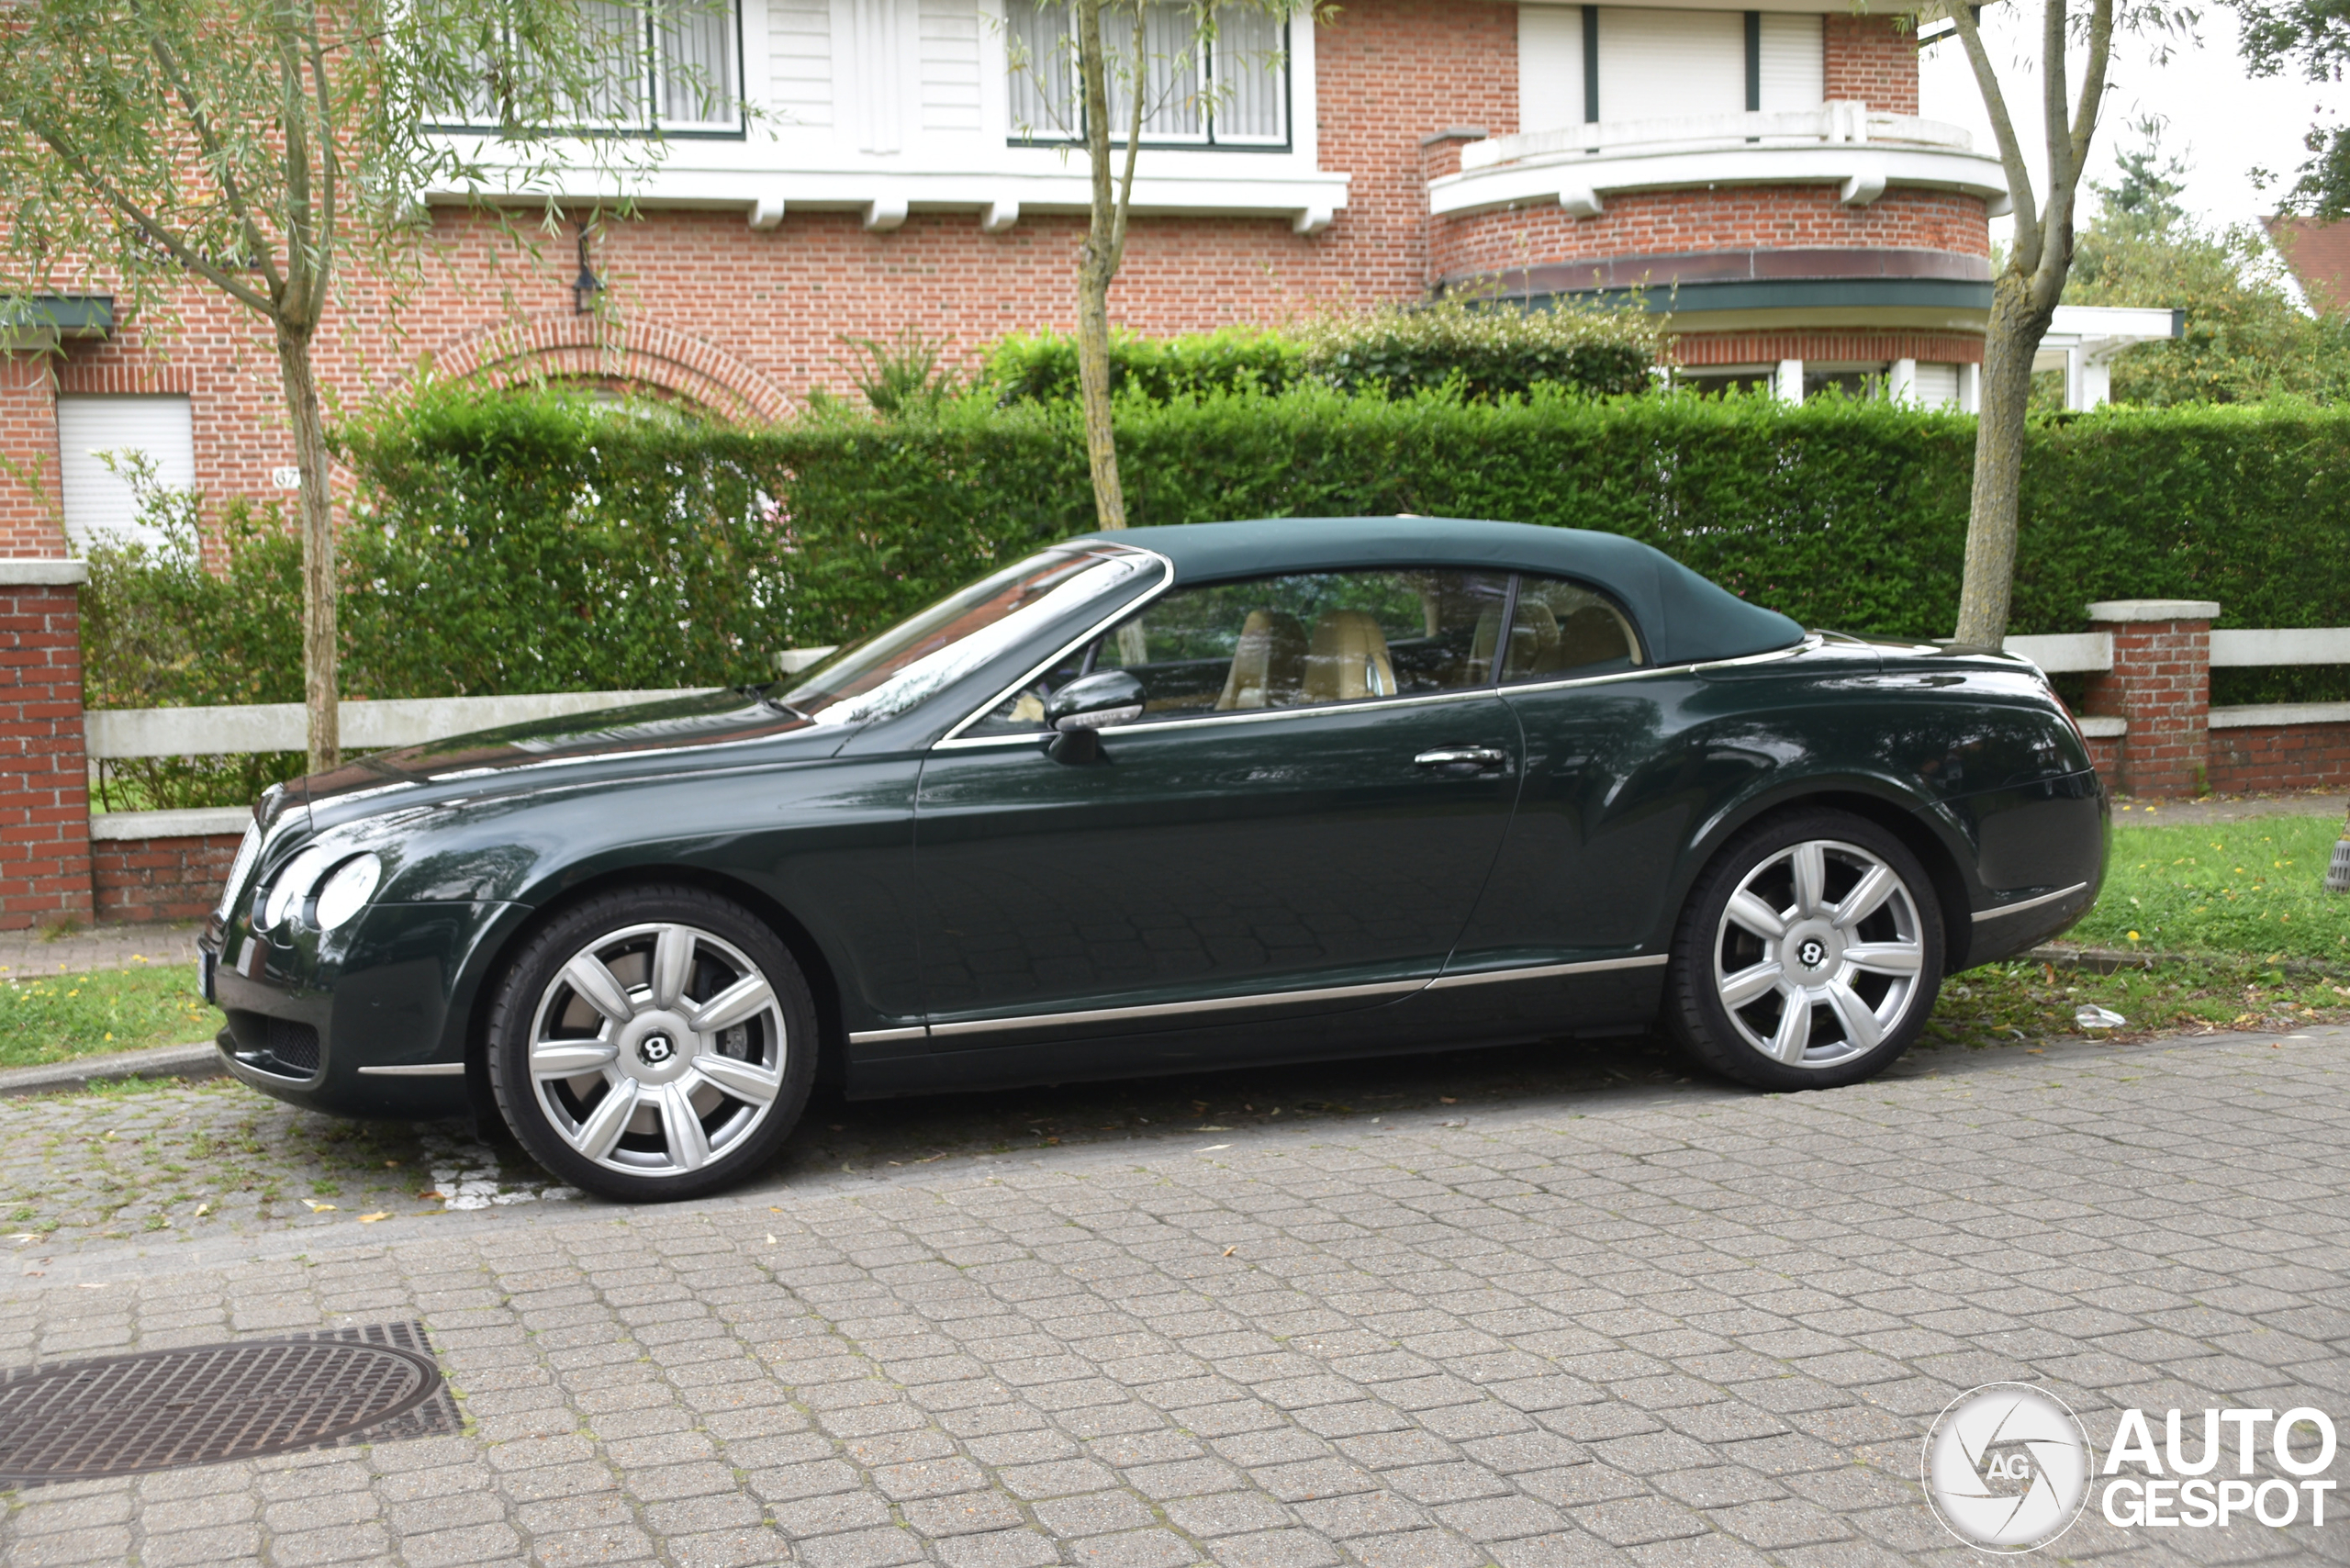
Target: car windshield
(888, 674)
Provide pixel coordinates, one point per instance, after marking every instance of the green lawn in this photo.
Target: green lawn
(50, 1017)
(2253, 887)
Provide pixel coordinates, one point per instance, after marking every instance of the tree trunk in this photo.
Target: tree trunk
(2018, 323)
(1097, 264)
(319, 646)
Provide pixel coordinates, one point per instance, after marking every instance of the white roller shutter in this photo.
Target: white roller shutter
(1549, 67)
(98, 504)
(1795, 63)
(1660, 64)
(1937, 386)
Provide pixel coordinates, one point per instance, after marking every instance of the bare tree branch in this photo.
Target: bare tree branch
(1995, 104)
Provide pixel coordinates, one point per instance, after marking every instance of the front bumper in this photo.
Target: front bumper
(374, 1019)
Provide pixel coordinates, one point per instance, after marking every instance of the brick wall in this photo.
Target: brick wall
(2280, 756)
(1873, 59)
(44, 775)
(159, 879)
(29, 515)
(1700, 348)
(2161, 683)
(1735, 218)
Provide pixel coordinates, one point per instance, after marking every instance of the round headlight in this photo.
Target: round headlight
(344, 893)
(293, 885)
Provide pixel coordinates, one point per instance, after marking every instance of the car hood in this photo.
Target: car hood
(647, 731)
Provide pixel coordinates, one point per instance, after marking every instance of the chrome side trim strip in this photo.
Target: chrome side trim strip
(882, 1036)
(954, 737)
(421, 1069)
(2029, 903)
(1545, 971)
(1177, 1009)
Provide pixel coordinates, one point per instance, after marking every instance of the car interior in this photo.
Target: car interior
(1319, 638)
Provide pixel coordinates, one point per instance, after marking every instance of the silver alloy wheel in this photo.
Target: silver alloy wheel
(1818, 956)
(657, 1049)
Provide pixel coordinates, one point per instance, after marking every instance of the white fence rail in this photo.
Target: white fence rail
(367, 726)
(2073, 653)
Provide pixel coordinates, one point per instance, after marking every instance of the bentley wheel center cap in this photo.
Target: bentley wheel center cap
(1811, 950)
(654, 1049)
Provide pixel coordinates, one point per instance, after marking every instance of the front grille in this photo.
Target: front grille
(294, 1047)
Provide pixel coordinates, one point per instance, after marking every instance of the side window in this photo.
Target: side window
(1289, 641)
(1564, 629)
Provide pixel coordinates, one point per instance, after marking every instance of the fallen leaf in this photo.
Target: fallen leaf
(1211, 1148)
(1230, 1250)
(318, 1207)
(770, 1241)
(1447, 1100)
(203, 1209)
(370, 1219)
(90, 1285)
(432, 1197)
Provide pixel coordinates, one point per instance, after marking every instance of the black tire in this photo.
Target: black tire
(649, 1093)
(1797, 1010)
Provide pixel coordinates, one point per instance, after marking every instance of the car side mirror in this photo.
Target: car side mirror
(1095, 701)
(1089, 704)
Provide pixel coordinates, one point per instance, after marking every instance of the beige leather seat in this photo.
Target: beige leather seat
(1532, 638)
(1347, 659)
(1591, 635)
(1268, 662)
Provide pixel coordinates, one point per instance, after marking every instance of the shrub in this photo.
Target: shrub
(1492, 349)
(1041, 366)
(539, 541)
(159, 631)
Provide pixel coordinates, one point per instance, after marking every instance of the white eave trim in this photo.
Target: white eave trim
(1856, 167)
(1187, 184)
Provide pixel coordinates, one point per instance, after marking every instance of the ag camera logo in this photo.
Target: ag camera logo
(2006, 1468)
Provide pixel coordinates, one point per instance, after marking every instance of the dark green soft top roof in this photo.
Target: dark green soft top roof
(1684, 617)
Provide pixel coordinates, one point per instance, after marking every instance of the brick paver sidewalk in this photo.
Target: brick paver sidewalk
(25, 953)
(1651, 1323)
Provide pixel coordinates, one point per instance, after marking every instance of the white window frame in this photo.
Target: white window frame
(1209, 68)
(651, 89)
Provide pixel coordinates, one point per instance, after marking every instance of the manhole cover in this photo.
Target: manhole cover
(164, 1409)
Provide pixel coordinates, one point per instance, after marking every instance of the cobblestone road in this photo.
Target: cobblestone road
(1492, 1309)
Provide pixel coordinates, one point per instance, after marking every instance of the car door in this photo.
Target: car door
(1554, 942)
(1301, 821)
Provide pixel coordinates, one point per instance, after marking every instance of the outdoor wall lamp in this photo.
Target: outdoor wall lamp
(586, 286)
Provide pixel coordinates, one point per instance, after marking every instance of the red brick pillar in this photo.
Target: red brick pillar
(44, 772)
(2160, 682)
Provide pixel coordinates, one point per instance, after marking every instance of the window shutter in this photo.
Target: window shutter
(1665, 64)
(98, 502)
(1795, 64)
(1549, 67)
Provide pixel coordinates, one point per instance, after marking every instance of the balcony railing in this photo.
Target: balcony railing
(1844, 143)
(1832, 124)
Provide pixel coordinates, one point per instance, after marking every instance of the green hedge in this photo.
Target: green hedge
(542, 541)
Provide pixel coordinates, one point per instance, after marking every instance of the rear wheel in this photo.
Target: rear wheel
(1809, 954)
(653, 1044)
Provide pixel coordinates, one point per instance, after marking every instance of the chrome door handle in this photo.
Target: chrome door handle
(1463, 757)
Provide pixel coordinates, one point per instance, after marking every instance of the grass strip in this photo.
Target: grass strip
(47, 1018)
(2255, 889)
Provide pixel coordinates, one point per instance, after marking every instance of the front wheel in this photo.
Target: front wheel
(1809, 956)
(653, 1044)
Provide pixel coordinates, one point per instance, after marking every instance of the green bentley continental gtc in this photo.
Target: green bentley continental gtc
(1161, 800)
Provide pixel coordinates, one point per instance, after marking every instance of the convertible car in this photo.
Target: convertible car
(1160, 801)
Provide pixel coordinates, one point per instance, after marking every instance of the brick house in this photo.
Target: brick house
(1762, 172)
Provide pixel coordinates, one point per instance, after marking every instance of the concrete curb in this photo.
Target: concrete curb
(201, 1061)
